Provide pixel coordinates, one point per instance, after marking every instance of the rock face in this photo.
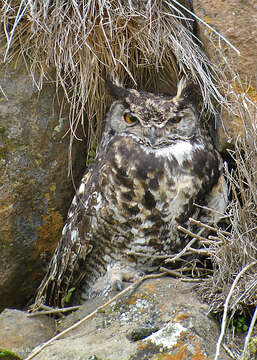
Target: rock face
(21, 333)
(162, 319)
(236, 21)
(35, 190)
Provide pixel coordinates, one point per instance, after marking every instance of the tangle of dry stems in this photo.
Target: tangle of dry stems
(231, 253)
(143, 43)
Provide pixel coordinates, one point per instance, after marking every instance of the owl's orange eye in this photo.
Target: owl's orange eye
(175, 120)
(130, 119)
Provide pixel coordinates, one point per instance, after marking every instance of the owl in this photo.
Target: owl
(155, 167)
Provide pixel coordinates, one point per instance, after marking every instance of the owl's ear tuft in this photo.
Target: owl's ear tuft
(182, 86)
(115, 88)
(182, 90)
(186, 92)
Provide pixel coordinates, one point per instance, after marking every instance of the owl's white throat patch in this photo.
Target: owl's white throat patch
(181, 151)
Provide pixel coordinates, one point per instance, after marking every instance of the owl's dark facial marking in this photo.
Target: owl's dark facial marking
(149, 201)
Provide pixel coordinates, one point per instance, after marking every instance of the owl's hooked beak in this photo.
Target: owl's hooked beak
(153, 135)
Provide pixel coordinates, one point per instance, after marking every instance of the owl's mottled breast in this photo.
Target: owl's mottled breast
(151, 190)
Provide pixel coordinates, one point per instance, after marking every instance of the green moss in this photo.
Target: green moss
(8, 355)
(92, 153)
(60, 125)
(7, 143)
(238, 323)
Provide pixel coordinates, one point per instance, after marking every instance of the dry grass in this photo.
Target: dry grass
(234, 251)
(143, 43)
(236, 248)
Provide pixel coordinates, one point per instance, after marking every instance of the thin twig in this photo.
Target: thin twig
(196, 269)
(188, 246)
(92, 314)
(193, 235)
(172, 272)
(249, 333)
(45, 307)
(181, 253)
(214, 238)
(208, 227)
(55, 311)
(176, 274)
(211, 242)
(224, 318)
(134, 253)
(206, 251)
(229, 351)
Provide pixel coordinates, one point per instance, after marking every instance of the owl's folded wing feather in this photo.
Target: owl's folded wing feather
(73, 247)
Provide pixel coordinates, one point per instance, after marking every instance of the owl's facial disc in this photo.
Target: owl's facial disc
(153, 120)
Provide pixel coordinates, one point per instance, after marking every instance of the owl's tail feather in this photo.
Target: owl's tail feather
(55, 286)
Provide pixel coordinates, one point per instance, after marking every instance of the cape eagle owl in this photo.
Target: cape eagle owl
(154, 165)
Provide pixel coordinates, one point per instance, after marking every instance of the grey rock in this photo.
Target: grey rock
(35, 191)
(20, 333)
(169, 308)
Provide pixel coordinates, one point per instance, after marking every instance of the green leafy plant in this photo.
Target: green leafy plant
(92, 153)
(238, 324)
(68, 296)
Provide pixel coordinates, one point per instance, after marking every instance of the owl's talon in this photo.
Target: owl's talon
(113, 280)
(118, 285)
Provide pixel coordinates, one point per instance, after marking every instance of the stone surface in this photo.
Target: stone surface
(21, 334)
(160, 320)
(236, 20)
(35, 190)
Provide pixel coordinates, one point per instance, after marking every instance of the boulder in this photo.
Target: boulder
(161, 319)
(35, 191)
(236, 21)
(21, 334)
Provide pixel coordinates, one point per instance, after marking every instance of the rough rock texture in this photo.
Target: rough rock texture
(35, 190)
(236, 20)
(21, 334)
(162, 319)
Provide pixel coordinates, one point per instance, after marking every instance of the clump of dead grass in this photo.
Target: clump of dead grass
(231, 253)
(236, 248)
(143, 43)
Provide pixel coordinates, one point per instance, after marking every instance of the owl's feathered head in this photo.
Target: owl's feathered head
(152, 116)
(132, 96)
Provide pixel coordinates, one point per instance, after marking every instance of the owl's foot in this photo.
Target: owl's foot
(114, 280)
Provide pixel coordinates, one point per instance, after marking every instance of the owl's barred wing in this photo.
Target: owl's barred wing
(216, 200)
(63, 270)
